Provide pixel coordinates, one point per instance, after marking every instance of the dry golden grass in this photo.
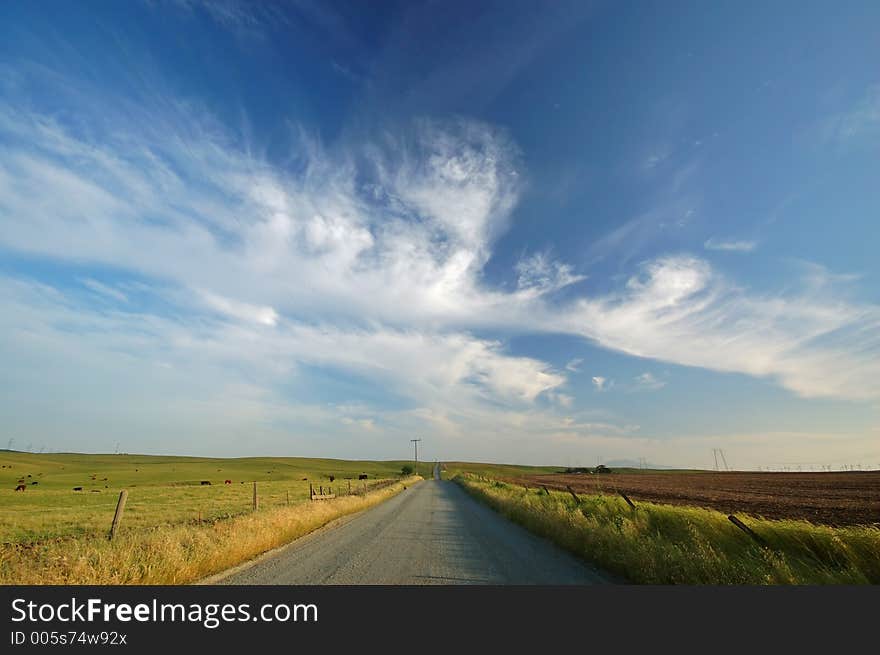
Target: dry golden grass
(174, 554)
(672, 544)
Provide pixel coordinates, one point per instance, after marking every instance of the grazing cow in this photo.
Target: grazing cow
(77, 488)
(332, 478)
(305, 479)
(95, 491)
(362, 476)
(204, 482)
(20, 487)
(227, 482)
(34, 482)
(29, 475)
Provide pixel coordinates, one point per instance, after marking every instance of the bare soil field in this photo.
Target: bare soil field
(834, 498)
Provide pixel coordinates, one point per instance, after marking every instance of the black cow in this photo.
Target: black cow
(77, 488)
(204, 482)
(362, 476)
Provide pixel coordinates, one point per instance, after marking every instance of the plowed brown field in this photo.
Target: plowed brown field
(845, 498)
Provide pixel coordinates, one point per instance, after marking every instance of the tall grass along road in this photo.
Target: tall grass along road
(433, 533)
(666, 544)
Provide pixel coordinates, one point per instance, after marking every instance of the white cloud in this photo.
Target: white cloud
(646, 381)
(679, 310)
(104, 290)
(730, 245)
(374, 270)
(240, 310)
(574, 365)
(538, 275)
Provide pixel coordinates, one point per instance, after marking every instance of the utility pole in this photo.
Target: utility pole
(723, 459)
(715, 455)
(416, 460)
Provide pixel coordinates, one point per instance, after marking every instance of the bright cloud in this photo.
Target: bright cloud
(646, 381)
(369, 261)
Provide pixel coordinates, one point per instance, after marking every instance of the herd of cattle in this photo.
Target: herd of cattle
(22, 485)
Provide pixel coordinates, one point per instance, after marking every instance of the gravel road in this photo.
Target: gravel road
(431, 533)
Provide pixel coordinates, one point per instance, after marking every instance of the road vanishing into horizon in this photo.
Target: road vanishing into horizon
(430, 533)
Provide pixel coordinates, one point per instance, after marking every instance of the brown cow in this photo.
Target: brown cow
(20, 487)
(227, 482)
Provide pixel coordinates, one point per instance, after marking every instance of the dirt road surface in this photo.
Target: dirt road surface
(431, 533)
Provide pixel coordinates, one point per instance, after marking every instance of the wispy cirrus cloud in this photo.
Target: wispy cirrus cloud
(860, 121)
(368, 260)
(647, 382)
(574, 365)
(679, 310)
(104, 290)
(730, 245)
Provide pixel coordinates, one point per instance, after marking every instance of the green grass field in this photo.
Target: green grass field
(162, 490)
(665, 544)
(451, 469)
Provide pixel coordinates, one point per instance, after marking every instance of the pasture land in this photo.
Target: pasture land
(163, 491)
(670, 544)
(833, 498)
(174, 529)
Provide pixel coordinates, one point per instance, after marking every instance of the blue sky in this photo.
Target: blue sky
(526, 232)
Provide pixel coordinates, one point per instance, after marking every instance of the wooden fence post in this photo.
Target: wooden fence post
(573, 494)
(117, 516)
(288, 497)
(626, 498)
(349, 487)
(742, 526)
(546, 490)
(256, 501)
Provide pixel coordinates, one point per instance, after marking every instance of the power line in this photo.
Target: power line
(416, 459)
